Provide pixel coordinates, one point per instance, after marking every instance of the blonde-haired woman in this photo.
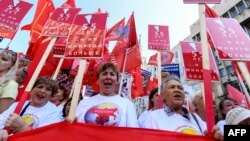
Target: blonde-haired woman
(8, 85)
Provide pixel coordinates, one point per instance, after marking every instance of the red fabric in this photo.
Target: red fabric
(137, 88)
(166, 58)
(49, 66)
(235, 94)
(133, 57)
(128, 40)
(150, 85)
(209, 100)
(248, 65)
(115, 31)
(43, 11)
(67, 63)
(69, 4)
(210, 12)
(20, 92)
(64, 131)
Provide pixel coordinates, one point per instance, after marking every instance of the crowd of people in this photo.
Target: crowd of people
(49, 102)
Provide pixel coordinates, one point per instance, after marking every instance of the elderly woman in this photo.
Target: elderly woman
(107, 108)
(35, 113)
(8, 86)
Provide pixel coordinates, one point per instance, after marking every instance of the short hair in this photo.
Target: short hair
(105, 66)
(48, 82)
(150, 97)
(221, 105)
(170, 77)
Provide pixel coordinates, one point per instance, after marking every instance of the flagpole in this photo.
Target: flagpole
(77, 89)
(159, 71)
(207, 89)
(243, 85)
(58, 68)
(244, 71)
(35, 74)
(123, 70)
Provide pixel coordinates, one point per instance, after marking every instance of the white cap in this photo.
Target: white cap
(237, 115)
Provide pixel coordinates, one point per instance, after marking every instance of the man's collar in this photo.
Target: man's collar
(170, 112)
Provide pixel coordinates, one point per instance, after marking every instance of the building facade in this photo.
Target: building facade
(238, 9)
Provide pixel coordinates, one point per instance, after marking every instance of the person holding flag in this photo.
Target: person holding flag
(107, 108)
(36, 113)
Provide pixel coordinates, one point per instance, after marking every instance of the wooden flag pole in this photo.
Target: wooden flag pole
(207, 86)
(40, 65)
(77, 90)
(123, 70)
(58, 68)
(159, 71)
(242, 85)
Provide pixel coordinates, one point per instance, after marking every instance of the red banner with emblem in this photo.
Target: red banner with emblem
(86, 38)
(12, 14)
(60, 22)
(65, 131)
(158, 37)
(192, 58)
(228, 37)
(202, 1)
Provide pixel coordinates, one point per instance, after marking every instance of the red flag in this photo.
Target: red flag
(137, 88)
(248, 65)
(43, 11)
(128, 43)
(133, 57)
(115, 31)
(166, 58)
(150, 85)
(235, 93)
(69, 4)
(65, 131)
(210, 12)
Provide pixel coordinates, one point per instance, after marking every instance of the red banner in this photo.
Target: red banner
(65, 131)
(158, 37)
(7, 34)
(59, 47)
(60, 22)
(86, 38)
(192, 58)
(11, 15)
(228, 37)
(201, 1)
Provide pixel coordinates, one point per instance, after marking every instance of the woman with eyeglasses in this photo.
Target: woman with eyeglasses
(8, 85)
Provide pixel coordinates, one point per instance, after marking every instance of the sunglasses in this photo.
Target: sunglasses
(9, 51)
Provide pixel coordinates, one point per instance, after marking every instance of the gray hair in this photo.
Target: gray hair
(170, 77)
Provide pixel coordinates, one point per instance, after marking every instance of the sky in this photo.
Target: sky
(172, 13)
